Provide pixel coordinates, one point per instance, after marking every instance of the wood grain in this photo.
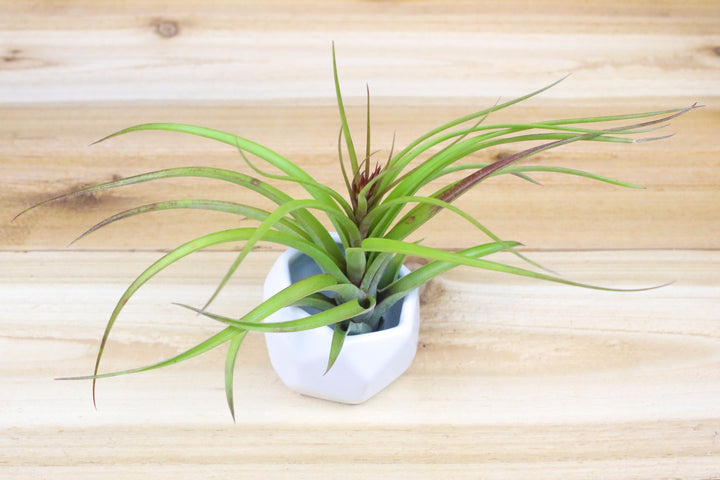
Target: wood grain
(189, 51)
(513, 379)
(47, 153)
(566, 383)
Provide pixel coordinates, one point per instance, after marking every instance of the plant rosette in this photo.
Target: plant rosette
(353, 295)
(367, 363)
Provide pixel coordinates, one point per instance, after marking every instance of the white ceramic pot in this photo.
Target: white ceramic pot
(367, 363)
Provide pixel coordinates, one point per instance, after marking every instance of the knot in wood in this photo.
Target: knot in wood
(167, 28)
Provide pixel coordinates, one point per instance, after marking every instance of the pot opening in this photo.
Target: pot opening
(301, 266)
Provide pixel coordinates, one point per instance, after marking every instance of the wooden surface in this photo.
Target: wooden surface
(513, 379)
(677, 209)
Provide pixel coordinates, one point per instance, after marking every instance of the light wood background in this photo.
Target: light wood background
(513, 379)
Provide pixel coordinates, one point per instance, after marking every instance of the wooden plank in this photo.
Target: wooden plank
(513, 379)
(72, 72)
(566, 383)
(45, 151)
(190, 51)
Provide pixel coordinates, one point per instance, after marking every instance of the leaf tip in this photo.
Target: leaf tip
(652, 139)
(103, 139)
(94, 397)
(27, 209)
(331, 362)
(232, 413)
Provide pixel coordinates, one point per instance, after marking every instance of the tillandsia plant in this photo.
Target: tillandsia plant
(385, 204)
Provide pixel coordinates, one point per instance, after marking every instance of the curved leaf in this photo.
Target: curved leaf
(400, 157)
(400, 247)
(231, 176)
(272, 220)
(343, 118)
(284, 225)
(212, 342)
(356, 262)
(425, 273)
(441, 204)
(520, 170)
(259, 151)
(400, 287)
(284, 298)
(232, 352)
(338, 340)
(206, 241)
(344, 311)
(317, 301)
(256, 149)
(422, 213)
(419, 176)
(342, 203)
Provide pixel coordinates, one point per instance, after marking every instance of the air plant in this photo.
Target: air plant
(359, 280)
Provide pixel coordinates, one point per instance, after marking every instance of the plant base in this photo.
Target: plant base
(367, 363)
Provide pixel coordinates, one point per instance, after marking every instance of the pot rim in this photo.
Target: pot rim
(410, 302)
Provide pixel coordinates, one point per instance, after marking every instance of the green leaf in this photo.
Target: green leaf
(342, 164)
(206, 241)
(343, 118)
(391, 272)
(317, 301)
(284, 298)
(315, 229)
(209, 344)
(502, 131)
(397, 288)
(377, 267)
(272, 220)
(401, 157)
(338, 340)
(668, 114)
(400, 247)
(342, 203)
(441, 204)
(230, 176)
(232, 352)
(311, 225)
(284, 225)
(427, 272)
(422, 213)
(355, 258)
(425, 172)
(521, 169)
(256, 149)
(336, 314)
